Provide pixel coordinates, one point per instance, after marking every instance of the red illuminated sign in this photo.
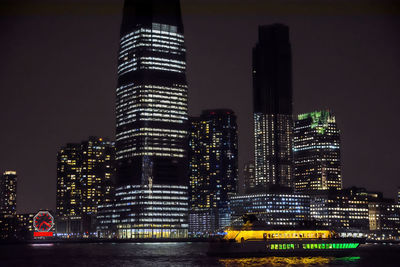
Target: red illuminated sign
(37, 234)
(43, 222)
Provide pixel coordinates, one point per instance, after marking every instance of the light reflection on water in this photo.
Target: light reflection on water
(287, 261)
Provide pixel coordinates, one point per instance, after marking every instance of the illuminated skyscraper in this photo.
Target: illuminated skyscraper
(316, 152)
(151, 123)
(151, 103)
(84, 176)
(68, 197)
(8, 193)
(213, 165)
(272, 93)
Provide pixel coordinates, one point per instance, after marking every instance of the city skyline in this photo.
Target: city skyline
(33, 178)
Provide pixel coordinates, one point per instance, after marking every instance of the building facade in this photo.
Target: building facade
(384, 218)
(151, 199)
(137, 209)
(8, 193)
(84, 176)
(316, 152)
(342, 210)
(272, 208)
(213, 171)
(249, 177)
(272, 100)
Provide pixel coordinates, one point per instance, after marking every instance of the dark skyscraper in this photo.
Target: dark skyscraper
(316, 151)
(249, 176)
(272, 93)
(8, 193)
(151, 125)
(213, 165)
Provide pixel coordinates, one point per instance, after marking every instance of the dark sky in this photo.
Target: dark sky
(58, 78)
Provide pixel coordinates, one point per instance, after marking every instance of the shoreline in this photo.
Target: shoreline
(100, 240)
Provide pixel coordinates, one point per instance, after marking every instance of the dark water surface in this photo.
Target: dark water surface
(174, 254)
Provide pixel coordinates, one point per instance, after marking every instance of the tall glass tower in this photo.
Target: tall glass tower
(151, 200)
(151, 108)
(272, 92)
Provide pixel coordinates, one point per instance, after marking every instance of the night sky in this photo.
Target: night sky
(58, 75)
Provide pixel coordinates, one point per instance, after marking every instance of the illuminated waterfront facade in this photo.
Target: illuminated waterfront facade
(151, 124)
(143, 212)
(272, 94)
(84, 176)
(343, 210)
(213, 165)
(384, 218)
(316, 151)
(8, 193)
(273, 208)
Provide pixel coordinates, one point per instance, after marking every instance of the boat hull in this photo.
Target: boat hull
(284, 248)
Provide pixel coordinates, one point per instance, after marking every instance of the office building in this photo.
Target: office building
(84, 176)
(346, 211)
(151, 200)
(8, 193)
(24, 227)
(213, 155)
(316, 152)
(384, 218)
(272, 99)
(272, 208)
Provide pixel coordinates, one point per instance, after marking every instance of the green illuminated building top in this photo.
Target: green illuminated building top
(320, 119)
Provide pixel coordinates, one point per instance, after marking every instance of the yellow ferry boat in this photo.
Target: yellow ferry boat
(264, 242)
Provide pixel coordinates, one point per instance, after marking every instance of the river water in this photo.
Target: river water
(174, 254)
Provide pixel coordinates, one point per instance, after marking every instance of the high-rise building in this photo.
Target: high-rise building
(272, 99)
(151, 124)
(213, 164)
(84, 176)
(69, 197)
(8, 193)
(316, 152)
(97, 173)
(249, 176)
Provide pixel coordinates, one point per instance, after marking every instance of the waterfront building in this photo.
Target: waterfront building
(345, 211)
(7, 226)
(316, 152)
(384, 218)
(71, 226)
(84, 176)
(272, 100)
(151, 199)
(137, 210)
(249, 176)
(213, 154)
(24, 227)
(272, 208)
(8, 193)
